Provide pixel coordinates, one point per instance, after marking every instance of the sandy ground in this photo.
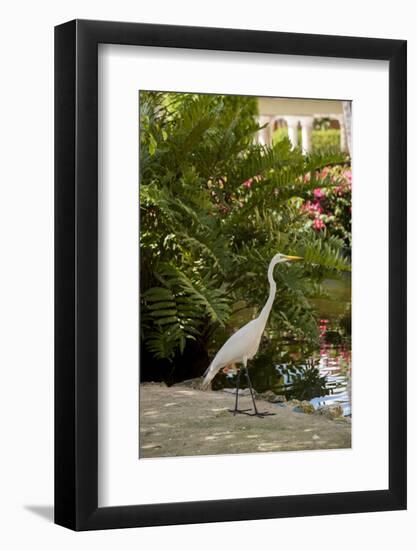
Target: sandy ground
(181, 421)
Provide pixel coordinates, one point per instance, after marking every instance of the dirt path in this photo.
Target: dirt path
(181, 421)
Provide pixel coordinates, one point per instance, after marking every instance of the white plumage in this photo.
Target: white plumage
(240, 347)
(244, 343)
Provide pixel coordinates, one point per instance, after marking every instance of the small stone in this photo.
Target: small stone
(272, 397)
(267, 395)
(304, 407)
(315, 437)
(330, 411)
(307, 407)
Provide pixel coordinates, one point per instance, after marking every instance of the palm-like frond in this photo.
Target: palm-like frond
(214, 209)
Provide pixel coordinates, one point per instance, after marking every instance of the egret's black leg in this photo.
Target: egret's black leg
(237, 388)
(251, 391)
(236, 410)
(256, 413)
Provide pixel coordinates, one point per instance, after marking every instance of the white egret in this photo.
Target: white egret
(243, 344)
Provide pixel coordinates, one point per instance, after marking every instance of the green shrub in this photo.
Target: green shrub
(214, 210)
(326, 139)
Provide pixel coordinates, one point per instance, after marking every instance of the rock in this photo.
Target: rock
(330, 411)
(307, 407)
(267, 395)
(304, 407)
(272, 397)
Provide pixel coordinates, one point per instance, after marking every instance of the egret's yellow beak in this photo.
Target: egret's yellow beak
(293, 258)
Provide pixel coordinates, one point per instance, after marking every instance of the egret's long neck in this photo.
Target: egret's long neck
(266, 310)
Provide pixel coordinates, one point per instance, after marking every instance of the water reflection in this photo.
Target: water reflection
(335, 365)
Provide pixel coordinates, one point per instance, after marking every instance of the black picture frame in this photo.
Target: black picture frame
(76, 272)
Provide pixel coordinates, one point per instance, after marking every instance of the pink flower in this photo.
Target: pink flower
(312, 208)
(248, 183)
(319, 193)
(323, 326)
(317, 208)
(318, 224)
(324, 172)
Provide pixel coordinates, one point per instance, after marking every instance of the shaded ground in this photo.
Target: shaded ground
(183, 421)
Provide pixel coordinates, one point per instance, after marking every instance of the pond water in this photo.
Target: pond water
(321, 375)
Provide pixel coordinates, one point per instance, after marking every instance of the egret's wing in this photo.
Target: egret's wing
(240, 344)
(238, 347)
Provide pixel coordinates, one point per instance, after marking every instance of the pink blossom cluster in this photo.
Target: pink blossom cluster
(248, 183)
(315, 208)
(319, 193)
(312, 208)
(318, 224)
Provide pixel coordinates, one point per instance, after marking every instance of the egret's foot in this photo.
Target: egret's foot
(239, 411)
(262, 414)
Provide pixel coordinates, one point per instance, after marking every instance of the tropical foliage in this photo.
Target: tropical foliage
(214, 209)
